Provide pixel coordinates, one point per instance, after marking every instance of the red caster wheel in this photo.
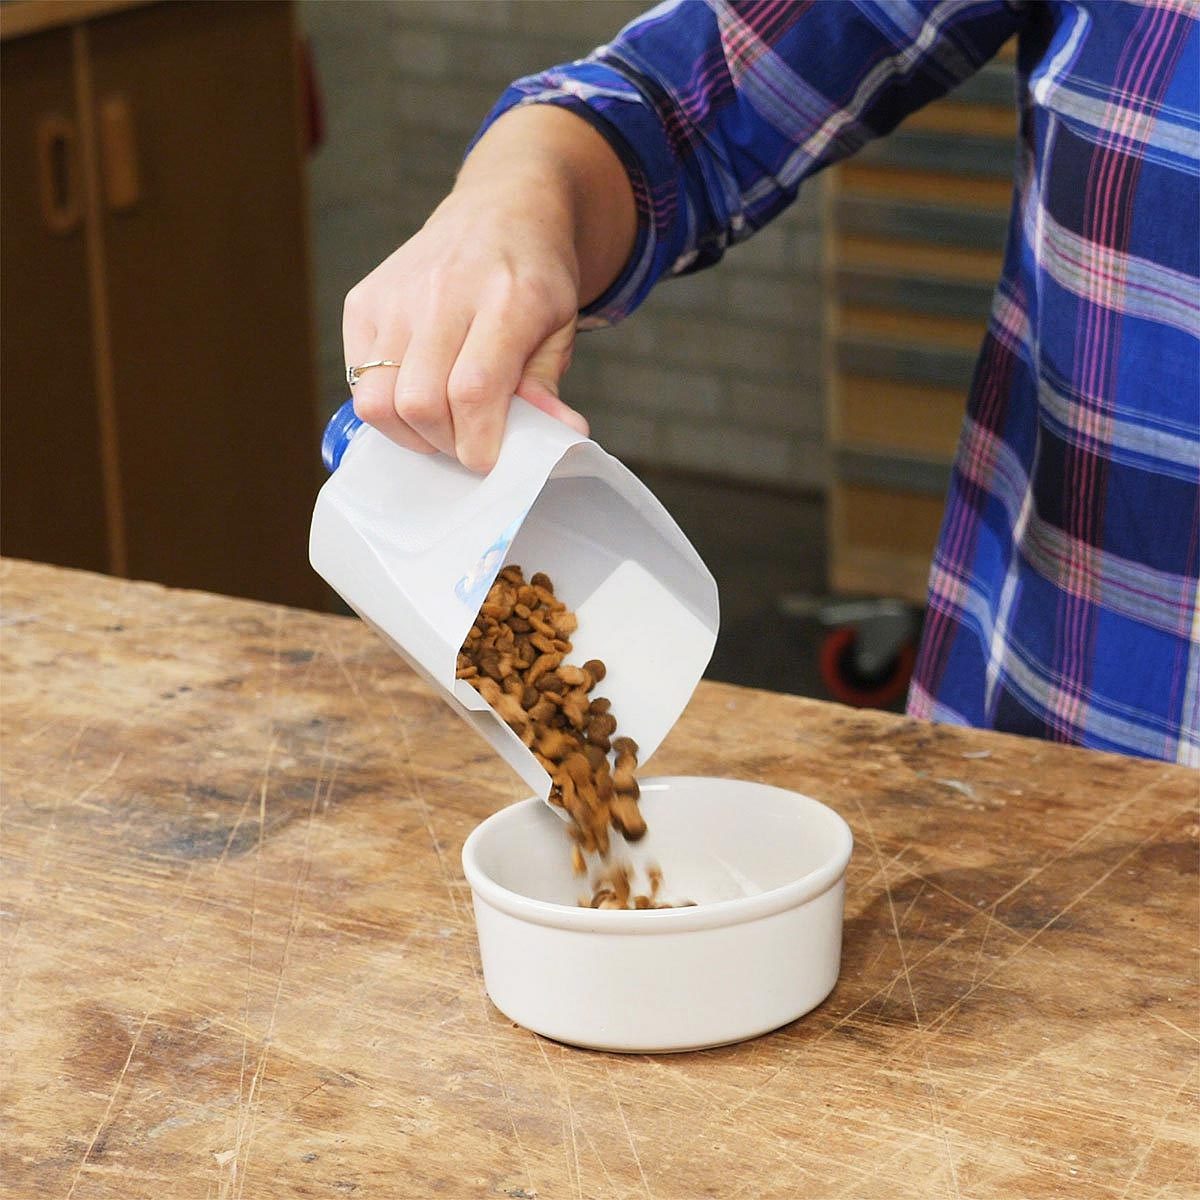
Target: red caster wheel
(864, 687)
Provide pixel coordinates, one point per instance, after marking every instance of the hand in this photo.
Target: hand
(478, 306)
(481, 304)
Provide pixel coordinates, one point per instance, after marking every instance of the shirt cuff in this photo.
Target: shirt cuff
(613, 106)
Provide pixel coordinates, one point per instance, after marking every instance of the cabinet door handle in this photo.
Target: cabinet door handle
(59, 190)
(118, 154)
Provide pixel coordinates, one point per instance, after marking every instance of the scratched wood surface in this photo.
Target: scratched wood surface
(239, 959)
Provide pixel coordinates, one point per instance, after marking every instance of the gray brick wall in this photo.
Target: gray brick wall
(718, 372)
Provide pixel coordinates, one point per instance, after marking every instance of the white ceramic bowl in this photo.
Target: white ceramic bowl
(766, 868)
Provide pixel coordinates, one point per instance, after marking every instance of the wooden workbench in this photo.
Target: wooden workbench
(239, 958)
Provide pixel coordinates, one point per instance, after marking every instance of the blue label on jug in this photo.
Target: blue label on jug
(473, 586)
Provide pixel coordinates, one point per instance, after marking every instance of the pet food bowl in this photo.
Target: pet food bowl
(760, 946)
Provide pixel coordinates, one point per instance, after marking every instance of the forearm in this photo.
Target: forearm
(582, 189)
(720, 112)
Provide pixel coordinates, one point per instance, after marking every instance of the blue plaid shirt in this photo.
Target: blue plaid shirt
(1063, 592)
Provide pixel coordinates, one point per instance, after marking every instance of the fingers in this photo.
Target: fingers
(552, 406)
(502, 350)
(465, 343)
(374, 401)
(373, 393)
(540, 378)
(455, 398)
(420, 395)
(480, 387)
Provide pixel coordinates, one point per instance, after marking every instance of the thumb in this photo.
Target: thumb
(545, 368)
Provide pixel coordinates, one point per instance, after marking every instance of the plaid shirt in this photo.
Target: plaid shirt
(1063, 593)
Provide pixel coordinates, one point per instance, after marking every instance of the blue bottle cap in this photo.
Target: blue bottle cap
(341, 428)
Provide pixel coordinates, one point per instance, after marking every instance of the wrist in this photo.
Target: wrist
(553, 167)
(528, 211)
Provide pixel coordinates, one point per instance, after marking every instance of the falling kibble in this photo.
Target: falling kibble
(515, 656)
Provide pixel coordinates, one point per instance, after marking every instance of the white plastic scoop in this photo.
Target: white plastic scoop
(412, 543)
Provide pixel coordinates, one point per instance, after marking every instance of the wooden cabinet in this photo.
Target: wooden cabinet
(158, 406)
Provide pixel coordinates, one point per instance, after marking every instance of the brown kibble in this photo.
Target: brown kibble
(603, 725)
(627, 817)
(620, 878)
(514, 655)
(612, 891)
(576, 765)
(556, 744)
(539, 623)
(624, 784)
(566, 790)
(514, 717)
(604, 785)
(624, 761)
(564, 623)
(509, 707)
(542, 664)
(546, 601)
(599, 740)
(574, 708)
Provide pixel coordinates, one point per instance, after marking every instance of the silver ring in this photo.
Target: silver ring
(353, 373)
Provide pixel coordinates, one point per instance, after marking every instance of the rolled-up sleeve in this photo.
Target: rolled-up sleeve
(719, 111)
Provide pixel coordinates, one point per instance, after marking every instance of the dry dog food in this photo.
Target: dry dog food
(515, 657)
(615, 890)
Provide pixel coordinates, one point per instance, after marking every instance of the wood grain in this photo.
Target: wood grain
(239, 958)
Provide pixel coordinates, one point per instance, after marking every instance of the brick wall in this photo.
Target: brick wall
(719, 372)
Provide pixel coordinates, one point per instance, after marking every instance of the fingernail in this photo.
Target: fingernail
(576, 420)
(478, 460)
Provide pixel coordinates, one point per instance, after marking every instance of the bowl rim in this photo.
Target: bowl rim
(719, 914)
